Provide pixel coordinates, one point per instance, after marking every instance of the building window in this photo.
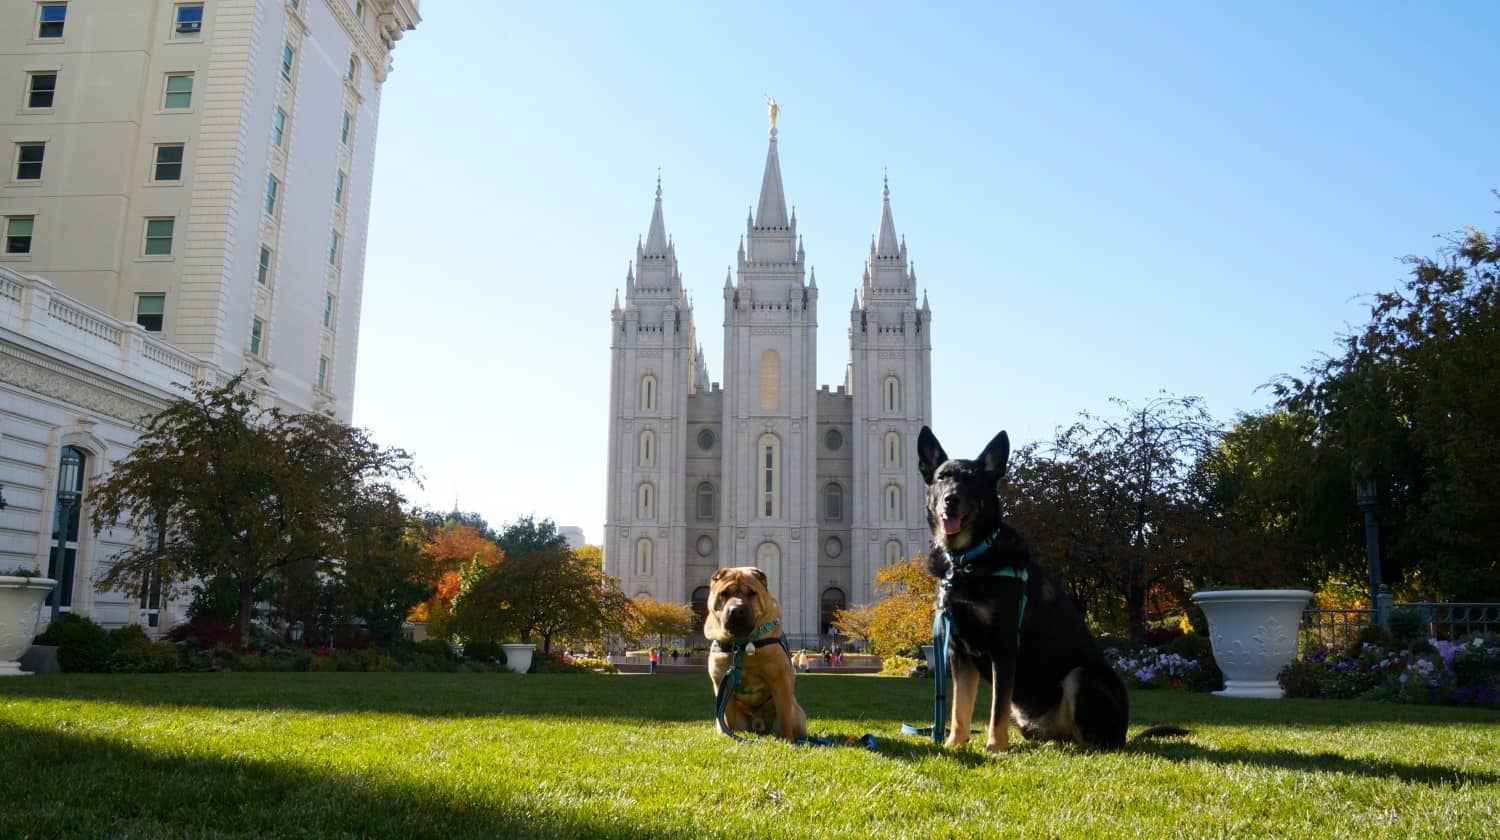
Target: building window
(643, 564)
(159, 237)
(706, 440)
(327, 309)
(295, 4)
(353, 72)
(648, 393)
(29, 161)
(770, 380)
(18, 234)
(179, 91)
(273, 187)
(278, 128)
(831, 602)
(768, 560)
(833, 502)
(834, 440)
(257, 335)
(50, 19)
(339, 181)
(768, 451)
(892, 394)
(62, 562)
(359, 10)
(892, 449)
(892, 502)
(149, 310)
(40, 89)
(333, 248)
(707, 504)
(151, 595)
(892, 553)
(833, 546)
(168, 166)
(188, 20)
(705, 545)
(263, 266)
(647, 455)
(344, 128)
(288, 56)
(645, 501)
(322, 373)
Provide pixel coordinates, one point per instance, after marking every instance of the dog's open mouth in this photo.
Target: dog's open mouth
(952, 525)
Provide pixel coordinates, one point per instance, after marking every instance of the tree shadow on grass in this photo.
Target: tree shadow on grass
(96, 787)
(1320, 762)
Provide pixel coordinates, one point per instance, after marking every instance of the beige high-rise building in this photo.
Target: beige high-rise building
(202, 169)
(186, 196)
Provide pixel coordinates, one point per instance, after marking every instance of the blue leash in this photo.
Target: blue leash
(730, 684)
(942, 634)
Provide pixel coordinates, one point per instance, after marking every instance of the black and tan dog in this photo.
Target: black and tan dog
(744, 623)
(1010, 619)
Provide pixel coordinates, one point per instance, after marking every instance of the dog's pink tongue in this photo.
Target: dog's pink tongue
(952, 524)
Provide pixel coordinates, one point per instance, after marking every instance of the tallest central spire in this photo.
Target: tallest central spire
(772, 210)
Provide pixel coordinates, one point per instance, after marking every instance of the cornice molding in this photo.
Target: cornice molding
(36, 372)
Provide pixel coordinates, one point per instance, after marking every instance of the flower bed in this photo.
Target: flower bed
(1463, 673)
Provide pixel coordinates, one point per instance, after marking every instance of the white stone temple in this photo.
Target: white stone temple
(817, 486)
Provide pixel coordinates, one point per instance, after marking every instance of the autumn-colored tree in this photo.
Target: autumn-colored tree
(662, 619)
(540, 587)
(449, 548)
(856, 622)
(902, 619)
(240, 493)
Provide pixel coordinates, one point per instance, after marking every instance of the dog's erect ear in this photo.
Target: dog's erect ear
(761, 576)
(930, 454)
(996, 456)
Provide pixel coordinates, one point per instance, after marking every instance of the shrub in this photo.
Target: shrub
(130, 634)
(489, 652)
(899, 666)
(146, 657)
(436, 647)
(82, 645)
(1301, 679)
(592, 663)
(205, 633)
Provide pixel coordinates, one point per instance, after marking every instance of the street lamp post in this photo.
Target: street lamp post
(67, 496)
(1366, 494)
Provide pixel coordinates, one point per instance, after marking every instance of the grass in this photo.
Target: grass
(491, 755)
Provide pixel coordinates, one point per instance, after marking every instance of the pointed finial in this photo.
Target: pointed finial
(885, 180)
(658, 182)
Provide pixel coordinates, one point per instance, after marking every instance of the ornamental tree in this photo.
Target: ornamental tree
(229, 490)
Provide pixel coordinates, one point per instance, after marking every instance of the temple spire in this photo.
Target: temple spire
(772, 208)
(656, 235)
(887, 245)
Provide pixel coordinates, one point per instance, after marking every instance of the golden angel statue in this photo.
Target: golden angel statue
(773, 110)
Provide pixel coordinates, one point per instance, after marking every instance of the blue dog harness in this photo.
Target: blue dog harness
(942, 634)
(731, 684)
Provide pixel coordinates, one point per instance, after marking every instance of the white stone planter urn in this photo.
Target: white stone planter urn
(518, 657)
(1254, 636)
(20, 605)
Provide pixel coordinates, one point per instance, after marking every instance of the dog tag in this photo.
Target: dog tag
(750, 649)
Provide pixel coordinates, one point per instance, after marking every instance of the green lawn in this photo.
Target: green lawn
(487, 755)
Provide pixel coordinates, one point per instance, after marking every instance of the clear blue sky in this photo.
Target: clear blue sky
(1100, 201)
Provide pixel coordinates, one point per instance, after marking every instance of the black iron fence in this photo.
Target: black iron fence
(1443, 620)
